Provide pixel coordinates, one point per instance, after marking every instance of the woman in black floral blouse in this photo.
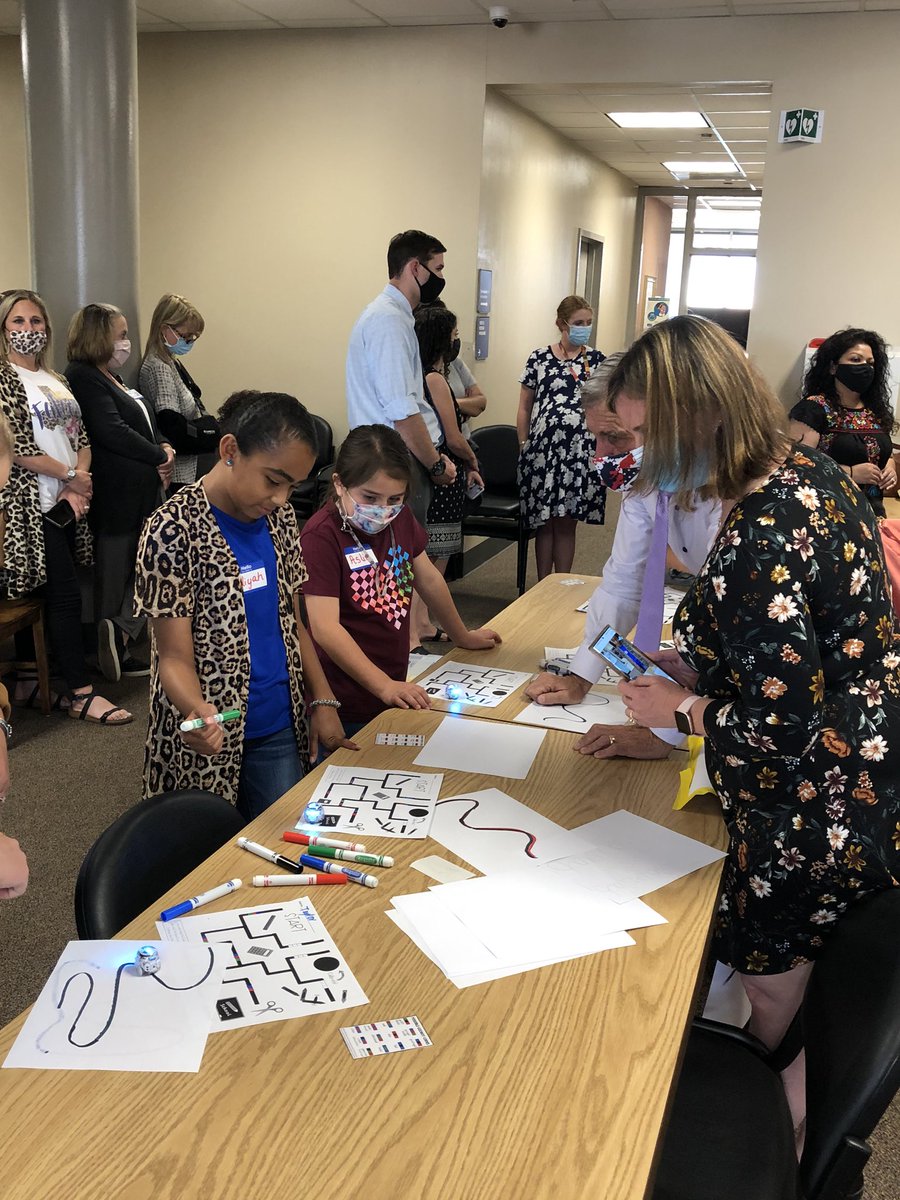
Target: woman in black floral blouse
(786, 661)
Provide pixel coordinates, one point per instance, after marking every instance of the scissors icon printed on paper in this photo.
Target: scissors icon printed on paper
(270, 1007)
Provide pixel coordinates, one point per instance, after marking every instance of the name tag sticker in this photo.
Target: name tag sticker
(253, 578)
(359, 557)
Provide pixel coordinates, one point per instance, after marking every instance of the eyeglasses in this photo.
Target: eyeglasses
(188, 337)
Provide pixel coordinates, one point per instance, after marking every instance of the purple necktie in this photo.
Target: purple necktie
(650, 616)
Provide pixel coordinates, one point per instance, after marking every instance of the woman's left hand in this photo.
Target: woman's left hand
(473, 478)
(325, 729)
(889, 476)
(651, 701)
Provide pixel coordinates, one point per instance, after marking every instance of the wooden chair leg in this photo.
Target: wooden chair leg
(43, 667)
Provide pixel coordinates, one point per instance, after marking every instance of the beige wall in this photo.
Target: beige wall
(274, 167)
(538, 189)
(655, 237)
(15, 258)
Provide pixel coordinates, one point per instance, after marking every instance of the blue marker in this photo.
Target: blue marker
(189, 905)
(319, 864)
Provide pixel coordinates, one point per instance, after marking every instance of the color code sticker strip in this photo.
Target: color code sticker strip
(399, 739)
(385, 1037)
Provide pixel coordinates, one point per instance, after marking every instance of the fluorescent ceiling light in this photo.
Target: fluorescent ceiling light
(707, 166)
(658, 120)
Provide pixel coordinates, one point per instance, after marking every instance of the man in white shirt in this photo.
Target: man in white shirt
(617, 599)
(384, 370)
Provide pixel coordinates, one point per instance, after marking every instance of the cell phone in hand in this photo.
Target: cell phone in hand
(623, 656)
(474, 490)
(61, 514)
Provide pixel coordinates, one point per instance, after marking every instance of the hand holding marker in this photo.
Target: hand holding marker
(230, 714)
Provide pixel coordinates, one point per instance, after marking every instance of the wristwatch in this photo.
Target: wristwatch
(71, 473)
(439, 467)
(683, 722)
(7, 729)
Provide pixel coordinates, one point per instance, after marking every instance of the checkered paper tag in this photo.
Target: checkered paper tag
(385, 1037)
(399, 739)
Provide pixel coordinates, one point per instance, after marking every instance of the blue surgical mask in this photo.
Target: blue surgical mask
(580, 335)
(617, 471)
(182, 346)
(697, 476)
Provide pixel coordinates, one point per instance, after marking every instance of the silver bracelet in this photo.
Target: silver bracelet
(324, 703)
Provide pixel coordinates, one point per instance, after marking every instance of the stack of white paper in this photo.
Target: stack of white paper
(579, 897)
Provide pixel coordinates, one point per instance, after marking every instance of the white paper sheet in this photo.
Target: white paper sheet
(96, 1012)
(611, 941)
(634, 856)
(483, 747)
(541, 911)
(440, 869)
(494, 832)
(420, 663)
(597, 708)
(374, 802)
(672, 597)
(281, 963)
(473, 684)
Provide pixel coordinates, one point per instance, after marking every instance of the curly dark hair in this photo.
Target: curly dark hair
(819, 380)
(434, 329)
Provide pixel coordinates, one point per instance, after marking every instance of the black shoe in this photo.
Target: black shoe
(134, 668)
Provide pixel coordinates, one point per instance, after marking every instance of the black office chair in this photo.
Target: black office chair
(730, 1131)
(500, 514)
(306, 496)
(143, 853)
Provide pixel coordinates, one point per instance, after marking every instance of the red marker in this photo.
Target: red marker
(297, 880)
(307, 839)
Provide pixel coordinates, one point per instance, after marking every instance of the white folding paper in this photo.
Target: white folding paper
(597, 708)
(482, 747)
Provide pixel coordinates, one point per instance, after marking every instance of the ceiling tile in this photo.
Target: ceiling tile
(294, 13)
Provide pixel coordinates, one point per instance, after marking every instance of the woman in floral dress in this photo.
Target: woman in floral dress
(557, 484)
(786, 662)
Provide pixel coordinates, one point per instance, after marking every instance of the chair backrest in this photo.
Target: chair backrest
(324, 444)
(851, 1030)
(497, 447)
(143, 853)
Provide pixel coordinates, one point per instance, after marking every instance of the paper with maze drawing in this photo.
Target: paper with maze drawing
(96, 1012)
(597, 708)
(375, 801)
(280, 963)
(465, 683)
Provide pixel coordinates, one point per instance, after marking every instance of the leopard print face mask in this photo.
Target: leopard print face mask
(27, 341)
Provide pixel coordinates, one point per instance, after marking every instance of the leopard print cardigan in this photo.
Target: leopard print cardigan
(185, 568)
(24, 562)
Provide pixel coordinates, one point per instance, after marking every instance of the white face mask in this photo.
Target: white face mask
(120, 355)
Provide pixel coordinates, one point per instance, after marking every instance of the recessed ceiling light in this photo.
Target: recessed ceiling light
(707, 166)
(659, 120)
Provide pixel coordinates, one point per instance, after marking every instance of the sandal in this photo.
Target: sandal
(420, 650)
(86, 699)
(438, 636)
(58, 701)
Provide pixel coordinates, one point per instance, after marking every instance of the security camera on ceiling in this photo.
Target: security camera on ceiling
(499, 16)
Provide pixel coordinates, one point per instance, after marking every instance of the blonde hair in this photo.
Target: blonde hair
(89, 337)
(8, 301)
(706, 404)
(171, 310)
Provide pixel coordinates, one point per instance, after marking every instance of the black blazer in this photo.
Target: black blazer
(125, 453)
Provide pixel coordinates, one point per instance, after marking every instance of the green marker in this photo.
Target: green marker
(368, 860)
(230, 714)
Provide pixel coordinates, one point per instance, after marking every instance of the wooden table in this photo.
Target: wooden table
(544, 616)
(552, 1083)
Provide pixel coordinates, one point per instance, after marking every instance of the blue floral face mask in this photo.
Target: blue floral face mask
(617, 471)
(372, 518)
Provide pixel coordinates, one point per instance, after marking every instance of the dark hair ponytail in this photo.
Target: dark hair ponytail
(262, 421)
(370, 448)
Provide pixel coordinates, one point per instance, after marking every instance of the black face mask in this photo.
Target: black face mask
(431, 288)
(858, 377)
(453, 353)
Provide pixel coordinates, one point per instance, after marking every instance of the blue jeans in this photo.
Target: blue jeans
(270, 766)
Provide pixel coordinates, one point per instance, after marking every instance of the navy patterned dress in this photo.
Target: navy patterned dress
(789, 625)
(555, 474)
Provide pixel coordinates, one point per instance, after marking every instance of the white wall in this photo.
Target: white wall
(15, 264)
(538, 189)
